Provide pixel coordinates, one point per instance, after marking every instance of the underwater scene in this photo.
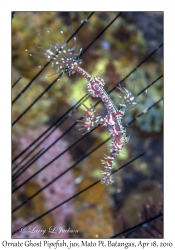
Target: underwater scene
(87, 125)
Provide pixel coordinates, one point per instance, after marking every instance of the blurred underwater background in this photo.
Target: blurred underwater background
(137, 193)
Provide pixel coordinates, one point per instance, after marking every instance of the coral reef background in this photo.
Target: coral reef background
(101, 211)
